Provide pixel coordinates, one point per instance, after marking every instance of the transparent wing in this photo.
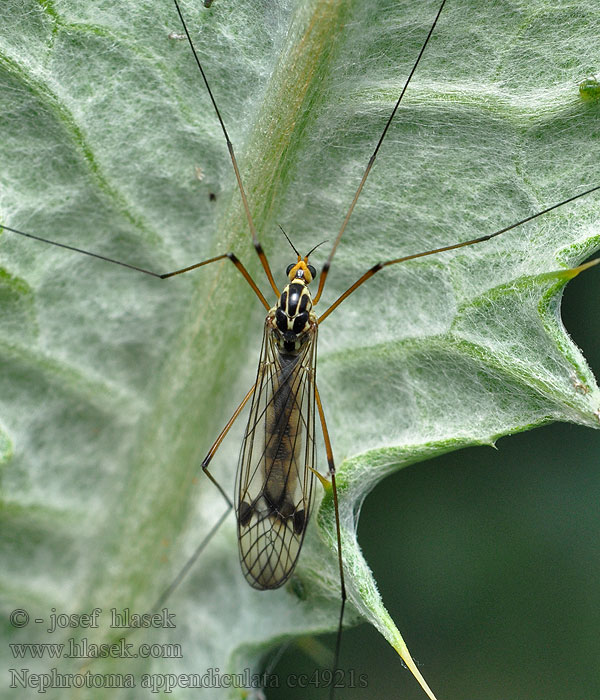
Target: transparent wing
(274, 485)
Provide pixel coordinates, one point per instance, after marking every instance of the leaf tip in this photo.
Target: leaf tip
(402, 650)
(325, 483)
(573, 272)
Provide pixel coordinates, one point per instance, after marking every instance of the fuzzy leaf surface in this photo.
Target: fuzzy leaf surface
(114, 384)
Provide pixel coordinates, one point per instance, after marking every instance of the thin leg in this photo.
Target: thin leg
(236, 262)
(211, 453)
(327, 264)
(257, 246)
(161, 600)
(481, 239)
(166, 594)
(163, 276)
(190, 562)
(331, 464)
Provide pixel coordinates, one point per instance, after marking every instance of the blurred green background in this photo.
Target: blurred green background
(488, 561)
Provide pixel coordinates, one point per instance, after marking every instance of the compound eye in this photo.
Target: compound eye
(289, 269)
(312, 271)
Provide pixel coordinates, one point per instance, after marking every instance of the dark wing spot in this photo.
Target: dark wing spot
(299, 521)
(245, 513)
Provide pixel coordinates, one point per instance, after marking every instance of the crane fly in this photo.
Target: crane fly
(275, 481)
(275, 475)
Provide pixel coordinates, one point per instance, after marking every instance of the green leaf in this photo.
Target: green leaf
(114, 385)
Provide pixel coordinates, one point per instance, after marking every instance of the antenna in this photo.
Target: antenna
(289, 241)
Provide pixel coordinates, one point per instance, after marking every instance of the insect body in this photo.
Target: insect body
(275, 479)
(275, 476)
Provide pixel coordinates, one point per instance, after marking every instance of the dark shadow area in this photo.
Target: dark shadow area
(488, 561)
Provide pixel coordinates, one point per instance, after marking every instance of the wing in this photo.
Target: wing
(274, 484)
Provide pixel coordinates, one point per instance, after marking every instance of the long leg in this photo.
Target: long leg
(369, 273)
(160, 601)
(162, 276)
(217, 443)
(200, 548)
(257, 246)
(183, 572)
(331, 465)
(406, 657)
(327, 264)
